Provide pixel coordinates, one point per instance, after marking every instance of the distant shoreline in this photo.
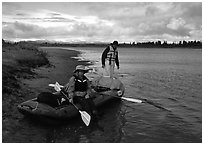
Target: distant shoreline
(194, 45)
(154, 44)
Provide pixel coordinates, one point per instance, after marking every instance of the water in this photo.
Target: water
(171, 81)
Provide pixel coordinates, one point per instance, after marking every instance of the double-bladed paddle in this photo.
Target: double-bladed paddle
(84, 115)
(138, 101)
(125, 98)
(131, 100)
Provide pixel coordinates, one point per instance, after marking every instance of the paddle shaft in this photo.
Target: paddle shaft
(127, 99)
(57, 85)
(70, 102)
(84, 115)
(142, 101)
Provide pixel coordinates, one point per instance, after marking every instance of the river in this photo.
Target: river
(170, 82)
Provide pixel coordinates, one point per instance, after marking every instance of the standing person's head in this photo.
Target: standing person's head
(80, 70)
(115, 44)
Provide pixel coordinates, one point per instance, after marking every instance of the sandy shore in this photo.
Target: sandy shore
(61, 69)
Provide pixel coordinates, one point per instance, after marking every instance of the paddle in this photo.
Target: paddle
(56, 84)
(132, 100)
(140, 101)
(84, 115)
(127, 99)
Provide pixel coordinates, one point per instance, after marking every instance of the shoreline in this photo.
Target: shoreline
(171, 89)
(62, 68)
(29, 85)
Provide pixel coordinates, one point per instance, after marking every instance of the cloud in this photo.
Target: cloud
(23, 31)
(152, 11)
(102, 21)
(176, 23)
(192, 9)
(10, 8)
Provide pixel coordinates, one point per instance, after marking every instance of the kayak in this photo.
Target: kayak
(44, 112)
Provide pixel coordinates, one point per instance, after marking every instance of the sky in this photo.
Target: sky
(102, 21)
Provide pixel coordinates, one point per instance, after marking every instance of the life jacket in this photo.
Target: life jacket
(111, 55)
(81, 85)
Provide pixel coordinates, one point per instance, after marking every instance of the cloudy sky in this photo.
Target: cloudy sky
(102, 22)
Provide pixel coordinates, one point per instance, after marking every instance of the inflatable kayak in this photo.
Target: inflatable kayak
(38, 110)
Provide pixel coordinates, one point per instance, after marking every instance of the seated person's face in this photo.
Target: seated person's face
(81, 73)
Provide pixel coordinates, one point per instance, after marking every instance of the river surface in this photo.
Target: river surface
(170, 80)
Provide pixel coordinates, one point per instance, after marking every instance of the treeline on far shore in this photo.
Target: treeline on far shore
(158, 44)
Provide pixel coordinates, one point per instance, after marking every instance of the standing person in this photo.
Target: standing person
(79, 90)
(110, 56)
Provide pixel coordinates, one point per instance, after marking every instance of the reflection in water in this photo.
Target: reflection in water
(108, 128)
(169, 80)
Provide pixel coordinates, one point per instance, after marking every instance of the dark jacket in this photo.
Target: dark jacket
(77, 85)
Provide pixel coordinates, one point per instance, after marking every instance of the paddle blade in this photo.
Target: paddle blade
(132, 100)
(57, 88)
(51, 85)
(60, 86)
(85, 117)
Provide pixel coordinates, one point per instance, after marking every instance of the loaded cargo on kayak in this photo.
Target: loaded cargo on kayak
(106, 90)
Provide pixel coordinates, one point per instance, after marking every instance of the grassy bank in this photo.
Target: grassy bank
(20, 83)
(18, 61)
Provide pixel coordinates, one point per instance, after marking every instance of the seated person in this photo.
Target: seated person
(79, 90)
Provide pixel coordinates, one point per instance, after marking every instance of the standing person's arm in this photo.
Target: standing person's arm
(117, 60)
(104, 55)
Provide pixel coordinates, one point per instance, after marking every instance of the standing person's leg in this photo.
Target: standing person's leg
(106, 69)
(111, 68)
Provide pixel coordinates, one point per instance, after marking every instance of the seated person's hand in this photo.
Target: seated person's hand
(87, 96)
(62, 100)
(93, 94)
(70, 100)
(93, 90)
